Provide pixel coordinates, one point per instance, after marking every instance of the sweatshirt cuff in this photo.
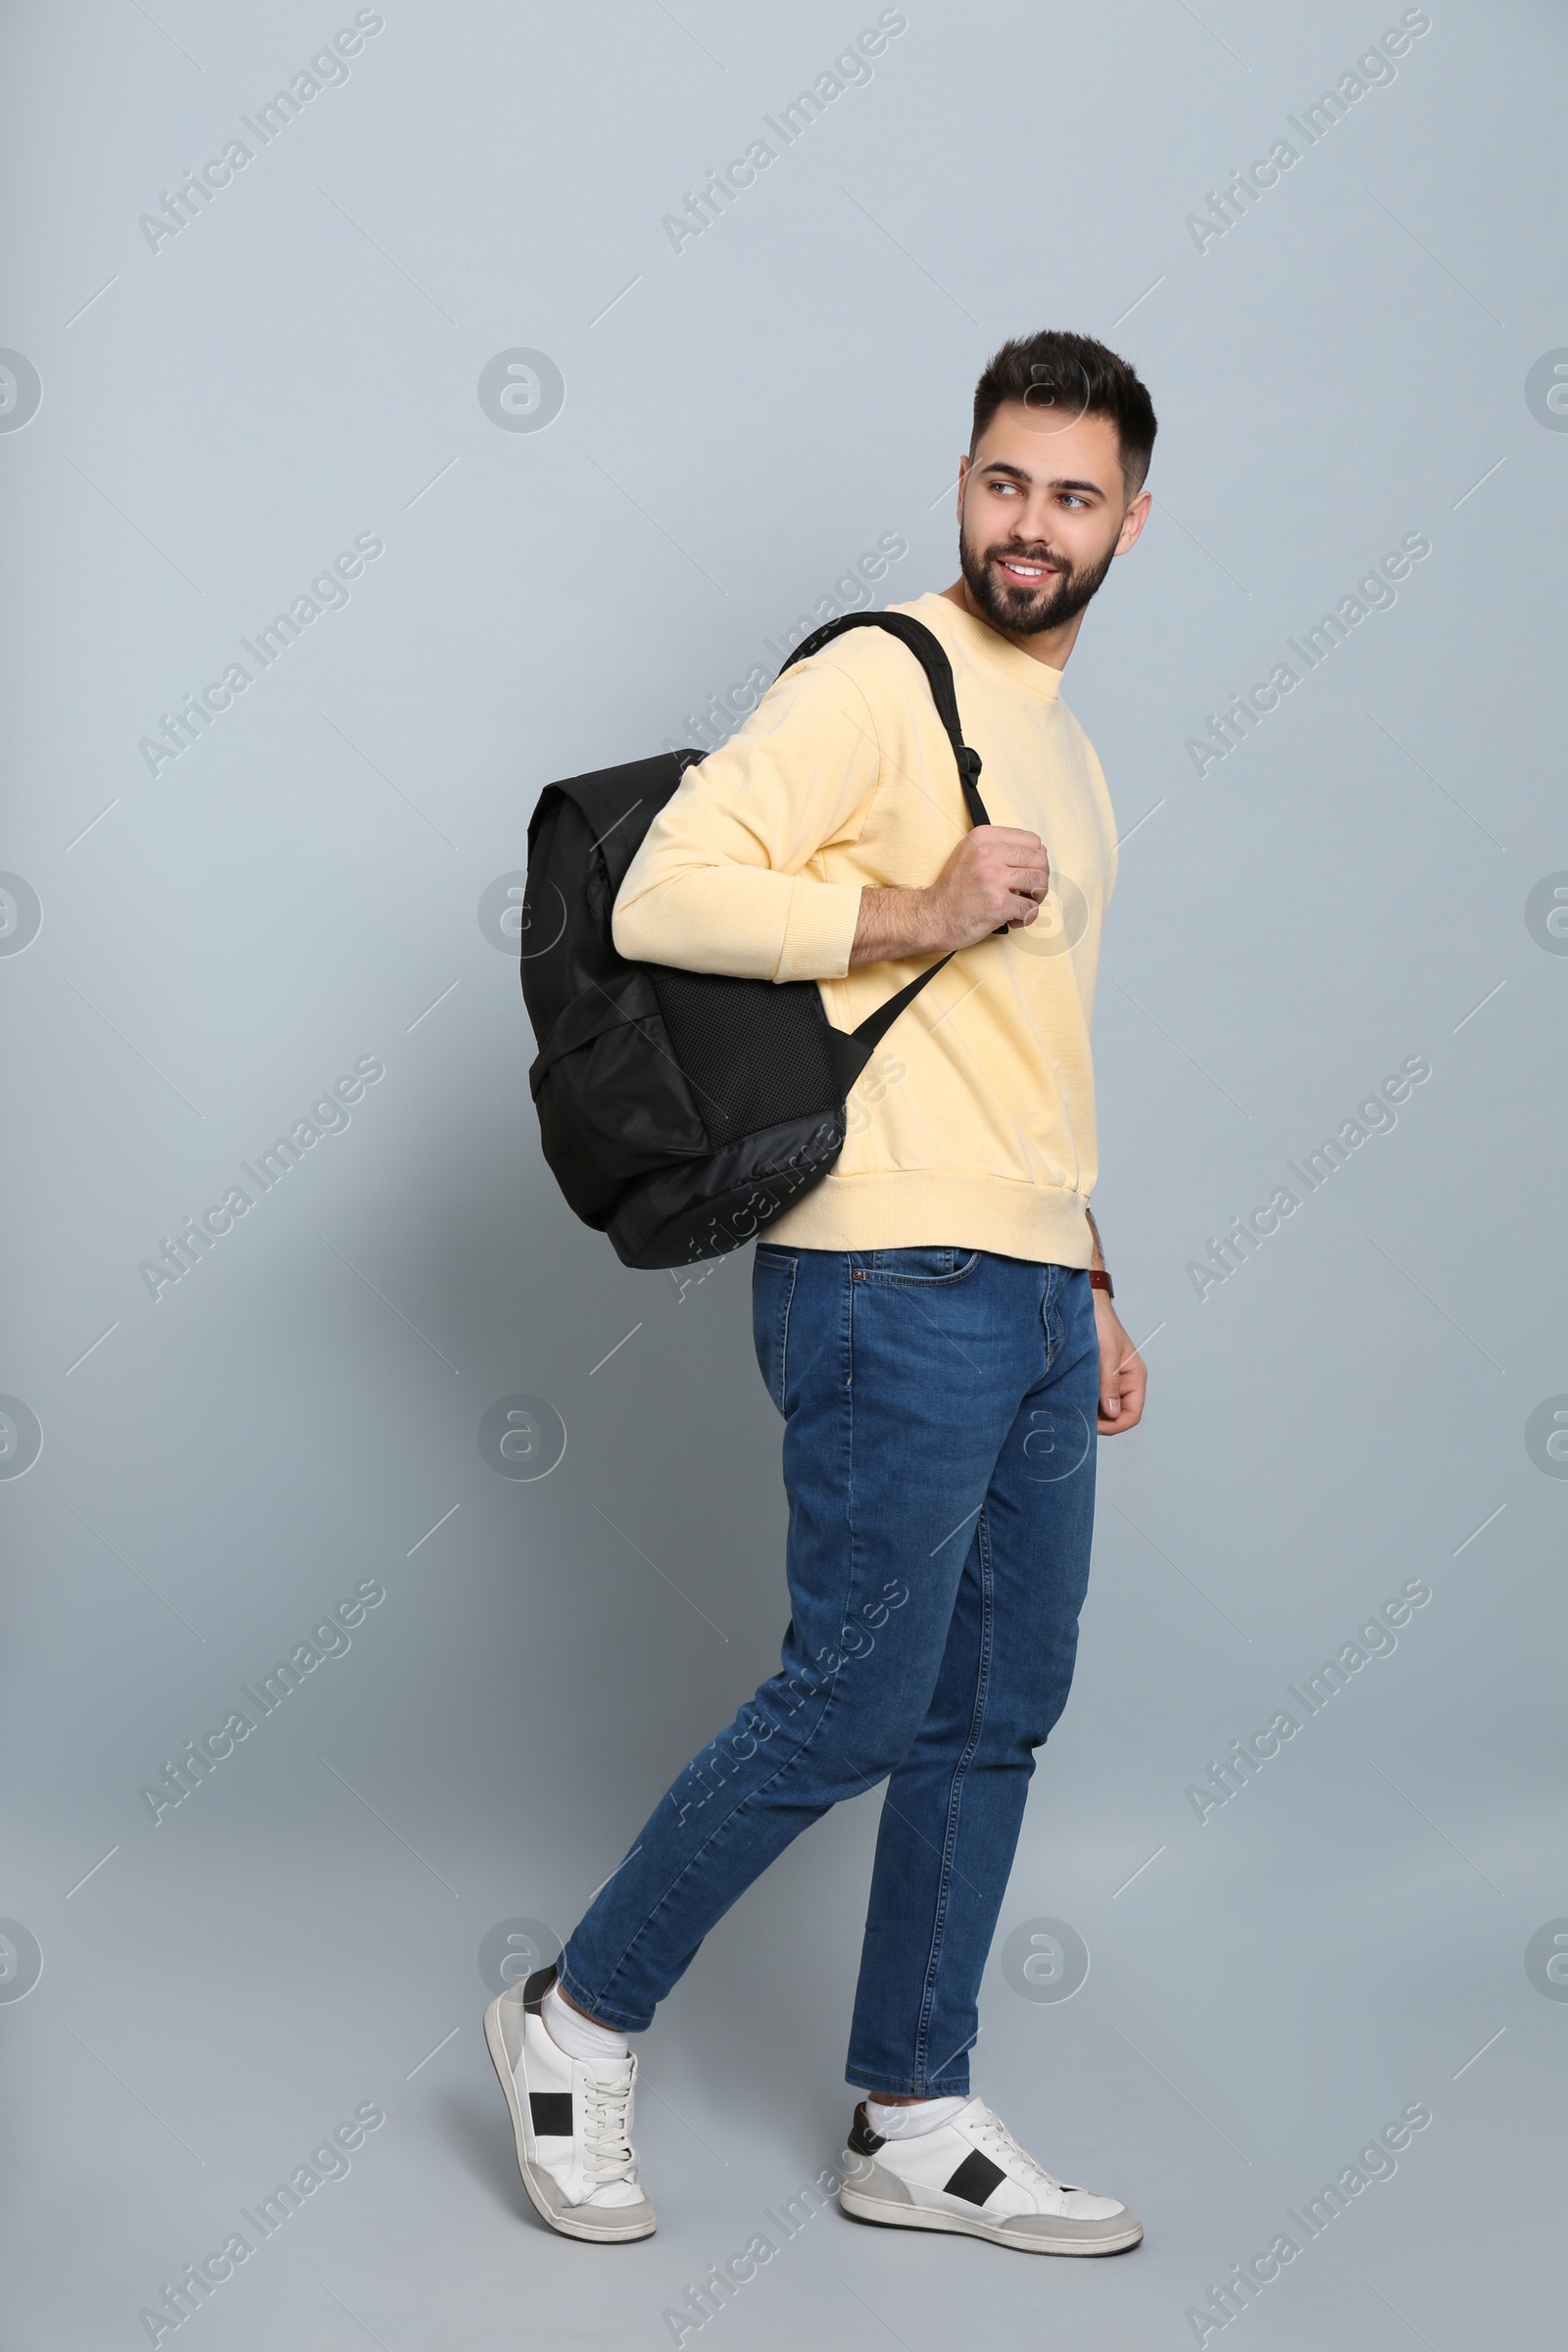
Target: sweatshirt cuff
(818, 929)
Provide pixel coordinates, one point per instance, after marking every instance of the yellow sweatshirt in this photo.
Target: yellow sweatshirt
(974, 1125)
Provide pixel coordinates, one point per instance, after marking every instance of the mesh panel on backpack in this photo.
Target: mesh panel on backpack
(752, 1061)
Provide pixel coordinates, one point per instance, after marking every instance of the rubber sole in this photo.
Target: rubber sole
(862, 2208)
(565, 2225)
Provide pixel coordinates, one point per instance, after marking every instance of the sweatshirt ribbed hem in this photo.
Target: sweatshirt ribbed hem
(940, 1209)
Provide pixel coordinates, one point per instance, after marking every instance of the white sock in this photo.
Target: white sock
(911, 2123)
(578, 2036)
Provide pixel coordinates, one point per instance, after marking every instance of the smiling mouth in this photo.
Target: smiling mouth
(1026, 574)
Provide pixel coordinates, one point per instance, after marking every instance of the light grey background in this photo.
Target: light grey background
(219, 417)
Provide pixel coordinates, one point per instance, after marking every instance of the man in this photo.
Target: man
(934, 1322)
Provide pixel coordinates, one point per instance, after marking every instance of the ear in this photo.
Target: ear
(965, 465)
(1133, 521)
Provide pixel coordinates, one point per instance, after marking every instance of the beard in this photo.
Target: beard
(1020, 611)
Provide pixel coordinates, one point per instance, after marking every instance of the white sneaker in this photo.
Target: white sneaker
(572, 2121)
(971, 2176)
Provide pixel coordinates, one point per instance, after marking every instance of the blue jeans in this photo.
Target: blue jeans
(939, 1457)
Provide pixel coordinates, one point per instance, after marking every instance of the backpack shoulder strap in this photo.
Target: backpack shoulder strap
(931, 655)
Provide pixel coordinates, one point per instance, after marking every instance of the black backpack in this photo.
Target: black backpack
(681, 1111)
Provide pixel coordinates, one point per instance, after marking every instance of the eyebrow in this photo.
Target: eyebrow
(1059, 482)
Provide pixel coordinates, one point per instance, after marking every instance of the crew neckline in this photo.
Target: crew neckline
(985, 644)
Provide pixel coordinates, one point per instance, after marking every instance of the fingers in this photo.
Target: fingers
(996, 878)
(1122, 1389)
(1030, 861)
(1024, 870)
(1123, 1374)
(1008, 847)
(1026, 867)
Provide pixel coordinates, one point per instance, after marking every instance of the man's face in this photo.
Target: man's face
(1043, 510)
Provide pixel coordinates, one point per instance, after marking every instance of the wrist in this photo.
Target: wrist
(926, 921)
(893, 921)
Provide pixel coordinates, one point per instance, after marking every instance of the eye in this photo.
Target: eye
(1070, 498)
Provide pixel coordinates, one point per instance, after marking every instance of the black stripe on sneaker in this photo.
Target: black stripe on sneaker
(863, 2142)
(975, 2178)
(550, 2113)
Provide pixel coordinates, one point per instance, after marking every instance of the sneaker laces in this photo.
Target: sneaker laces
(989, 2127)
(607, 2153)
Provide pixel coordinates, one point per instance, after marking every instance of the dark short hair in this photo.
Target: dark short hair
(1079, 375)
